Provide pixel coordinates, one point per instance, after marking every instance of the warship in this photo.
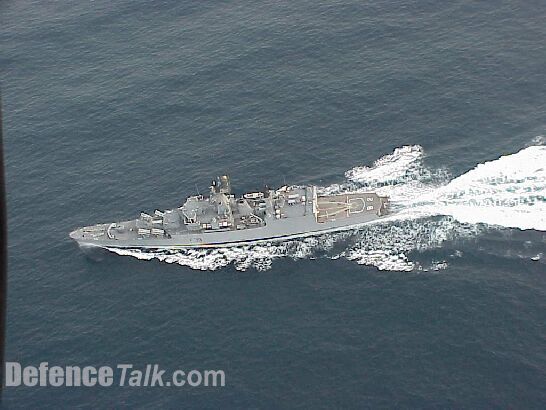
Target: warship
(222, 219)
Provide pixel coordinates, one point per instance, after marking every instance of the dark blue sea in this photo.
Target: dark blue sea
(115, 107)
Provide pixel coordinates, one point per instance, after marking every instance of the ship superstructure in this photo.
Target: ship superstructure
(223, 219)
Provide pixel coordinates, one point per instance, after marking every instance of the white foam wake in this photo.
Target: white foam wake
(428, 209)
(509, 192)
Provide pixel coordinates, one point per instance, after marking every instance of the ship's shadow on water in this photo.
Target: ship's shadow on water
(95, 254)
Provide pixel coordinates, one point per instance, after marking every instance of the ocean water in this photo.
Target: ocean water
(112, 107)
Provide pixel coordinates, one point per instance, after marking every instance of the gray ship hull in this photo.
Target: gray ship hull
(274, 232)
(224, 221)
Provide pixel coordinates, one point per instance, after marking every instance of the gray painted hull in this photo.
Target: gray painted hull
(274, 231)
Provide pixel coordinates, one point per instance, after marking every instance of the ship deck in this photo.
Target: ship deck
(342, 206)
